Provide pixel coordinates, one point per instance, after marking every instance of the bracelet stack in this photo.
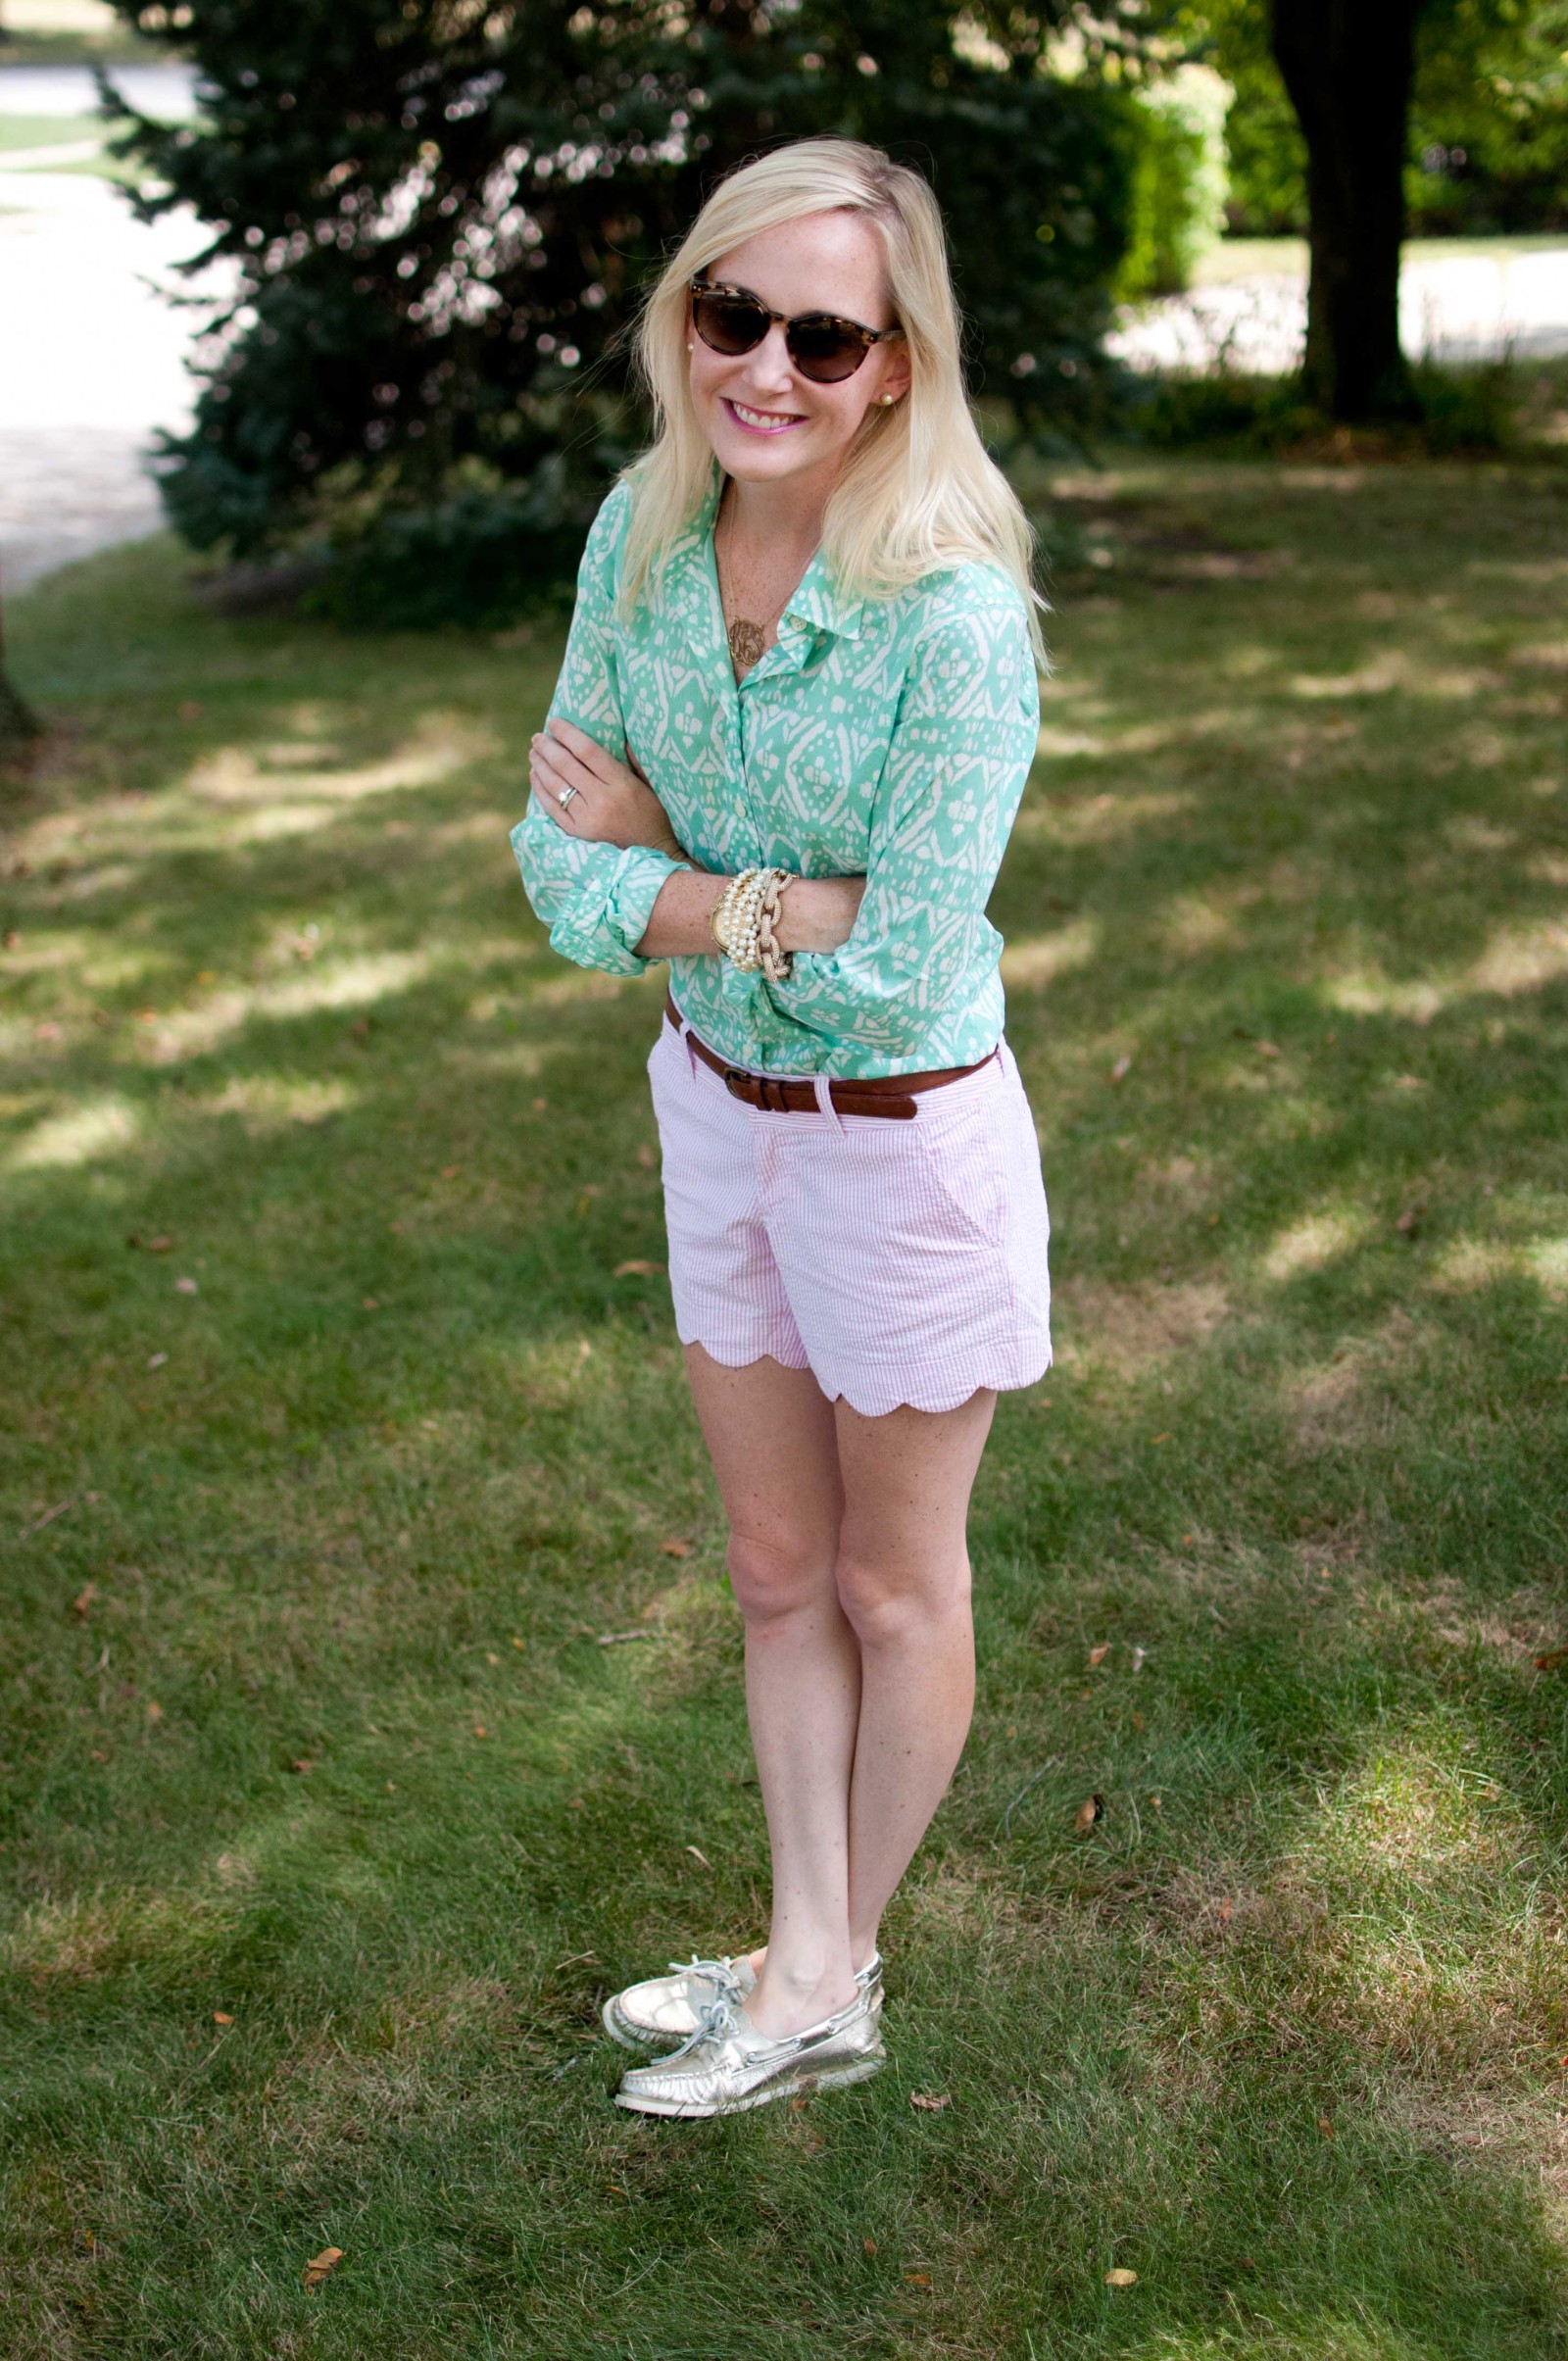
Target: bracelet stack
(744, 921)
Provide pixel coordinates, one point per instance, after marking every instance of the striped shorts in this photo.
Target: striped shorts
(900, 1261)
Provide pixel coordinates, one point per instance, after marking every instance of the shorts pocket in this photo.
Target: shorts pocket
(966, 1162)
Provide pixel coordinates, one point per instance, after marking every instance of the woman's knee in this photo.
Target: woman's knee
(777, 1575)
(886, 1604)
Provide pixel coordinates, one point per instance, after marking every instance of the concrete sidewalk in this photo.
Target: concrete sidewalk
(93, 360)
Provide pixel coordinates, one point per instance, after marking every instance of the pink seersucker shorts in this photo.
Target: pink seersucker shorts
(900, 1261)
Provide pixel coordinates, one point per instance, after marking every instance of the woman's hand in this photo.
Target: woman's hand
(817, 913)
(589, 793)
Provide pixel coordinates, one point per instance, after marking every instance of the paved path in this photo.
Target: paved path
(1457, 306)
(91, 363)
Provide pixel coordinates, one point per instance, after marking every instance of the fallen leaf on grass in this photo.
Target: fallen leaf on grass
(316, 2268)
(1120, 1070)
(83, 1600)
(480, 1730)
(1138, 1659)
(373, 1302)
(155, 1711)
(646, 1156)
(516, 1639)
(302, 1765)
(1097, 1655)
(1551, 1658)
(675, 1547)
(156, 1360)
(699, 1855)
(151, 1246)
(1326, 2127)
(1164, 1438)
(1121, 2277)
(1227, 1911)
(450, 1171)
(1092, 1808)
(187, 1287)
(98, 1755)
(637, 1268)
(220, 2016)
(614, 1639)
(870, 2244)
(1410, 1221)
(917, 2278)
(1267, 1049)
(930, 2103)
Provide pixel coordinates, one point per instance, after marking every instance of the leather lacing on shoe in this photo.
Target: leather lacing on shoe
(716, 2021)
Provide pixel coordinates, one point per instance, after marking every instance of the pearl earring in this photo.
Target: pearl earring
(886, 401)
(690, 348)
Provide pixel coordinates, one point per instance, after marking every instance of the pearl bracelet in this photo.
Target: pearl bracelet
(742, 922)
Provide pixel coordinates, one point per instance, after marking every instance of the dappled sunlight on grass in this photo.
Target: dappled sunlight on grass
(78, 1136)
(1267, 1563)
(1038, 960)
(353, 983)
(1097, 820)
(1315, 1240)
(272, 1099)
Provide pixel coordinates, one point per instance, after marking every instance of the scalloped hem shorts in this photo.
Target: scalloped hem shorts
(903, 1261)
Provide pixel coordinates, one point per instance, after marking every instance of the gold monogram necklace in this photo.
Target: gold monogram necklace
(746, 639)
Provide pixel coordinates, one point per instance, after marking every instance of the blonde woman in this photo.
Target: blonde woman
(798, 708)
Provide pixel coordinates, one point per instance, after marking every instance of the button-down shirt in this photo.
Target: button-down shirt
(886, 737)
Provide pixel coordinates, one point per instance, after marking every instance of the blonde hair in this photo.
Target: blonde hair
(918, 492)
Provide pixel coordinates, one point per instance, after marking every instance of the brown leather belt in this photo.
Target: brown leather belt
(879, 1095)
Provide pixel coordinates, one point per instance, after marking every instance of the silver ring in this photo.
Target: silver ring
(565, 795)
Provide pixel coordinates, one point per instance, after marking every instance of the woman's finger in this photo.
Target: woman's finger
(577, 742)
(558, 771)
(558, 811)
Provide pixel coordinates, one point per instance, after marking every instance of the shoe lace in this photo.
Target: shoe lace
(719, 1972)
(715, 2021)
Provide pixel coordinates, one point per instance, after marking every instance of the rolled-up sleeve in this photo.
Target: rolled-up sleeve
(966, 733)
(595, 899)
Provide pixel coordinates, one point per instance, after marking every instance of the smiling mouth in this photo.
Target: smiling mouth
(761, 421)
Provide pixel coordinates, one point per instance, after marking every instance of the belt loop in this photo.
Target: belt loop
(824, 1085)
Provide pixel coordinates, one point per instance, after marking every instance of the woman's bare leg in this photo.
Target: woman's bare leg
(904, 1583)
(770, 1435)
(849, 1566)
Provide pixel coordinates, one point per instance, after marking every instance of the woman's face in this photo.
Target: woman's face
(765, 421)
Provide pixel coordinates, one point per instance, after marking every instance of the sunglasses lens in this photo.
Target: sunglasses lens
(825, 350)
(729, 323)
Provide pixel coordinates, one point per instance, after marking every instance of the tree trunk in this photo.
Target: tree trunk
(18, 722)
(1348, 66)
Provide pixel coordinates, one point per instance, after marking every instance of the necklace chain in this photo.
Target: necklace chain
(748, 639)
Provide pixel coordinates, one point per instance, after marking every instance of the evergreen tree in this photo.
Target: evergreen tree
(442, 215)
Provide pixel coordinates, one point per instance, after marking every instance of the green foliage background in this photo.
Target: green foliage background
(1488, 120)
(443, 223)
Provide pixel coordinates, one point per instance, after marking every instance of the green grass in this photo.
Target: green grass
(1285, 2032)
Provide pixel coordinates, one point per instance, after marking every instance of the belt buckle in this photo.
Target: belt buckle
(736, 1079)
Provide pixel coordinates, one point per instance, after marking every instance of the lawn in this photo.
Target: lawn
(345, 1424)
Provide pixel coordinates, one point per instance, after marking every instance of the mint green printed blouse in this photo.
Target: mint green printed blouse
(883, 737)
